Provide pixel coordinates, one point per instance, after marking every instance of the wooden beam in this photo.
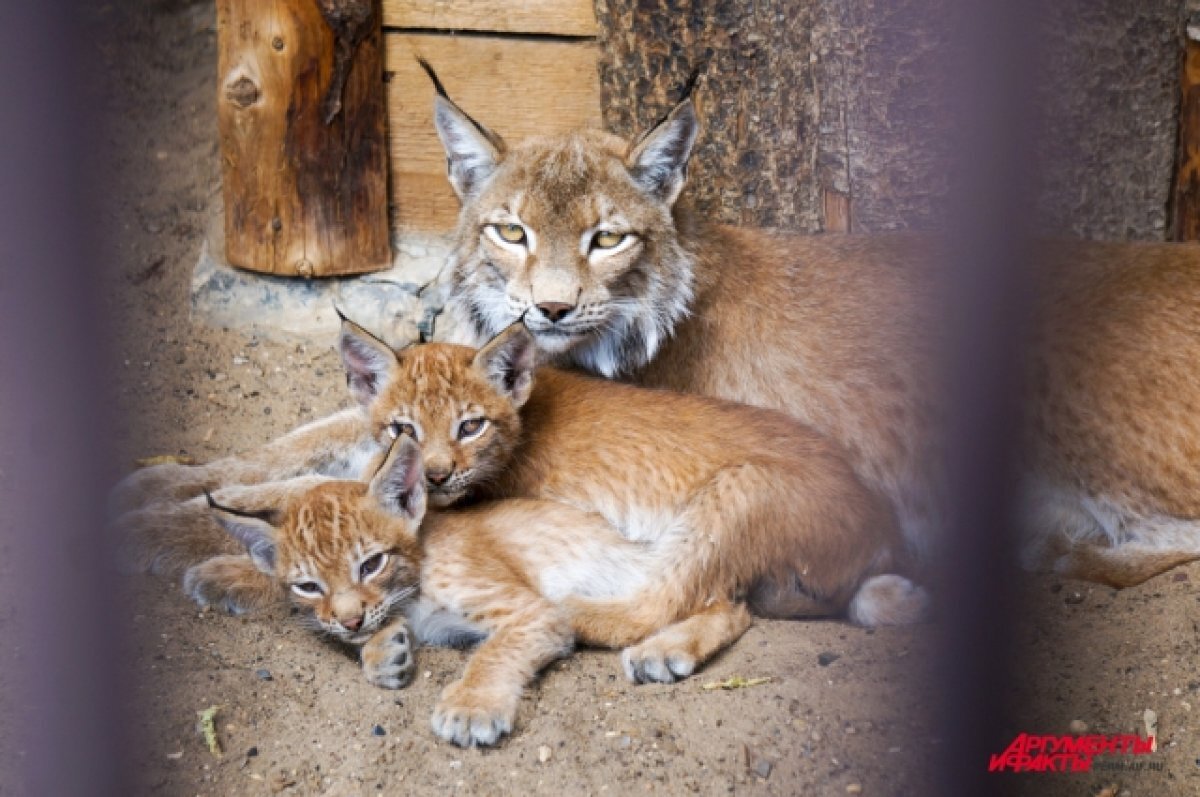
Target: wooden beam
(302, 197)
(556, 17)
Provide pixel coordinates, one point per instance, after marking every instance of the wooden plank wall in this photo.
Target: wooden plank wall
(522, 69)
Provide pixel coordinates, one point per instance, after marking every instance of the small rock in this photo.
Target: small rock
(1180, 577)
(252, 752)
(1074, 597)
(1056, 588)
(854, 788)
(1078, 726)
(264, 675)
(544, 754)
(378, 731)
(624, 742)
(827, 658)
(762, 768)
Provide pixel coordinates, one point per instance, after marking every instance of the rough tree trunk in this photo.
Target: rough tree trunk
(301, 114)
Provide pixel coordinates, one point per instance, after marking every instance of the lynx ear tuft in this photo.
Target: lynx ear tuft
(508, 361)
(399, 484)
(367, 359)
(472, 151)
(255, 530)
(658, 162)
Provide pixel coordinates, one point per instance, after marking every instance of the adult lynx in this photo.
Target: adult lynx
(581, 236)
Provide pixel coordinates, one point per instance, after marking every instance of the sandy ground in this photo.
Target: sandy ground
(297, 717)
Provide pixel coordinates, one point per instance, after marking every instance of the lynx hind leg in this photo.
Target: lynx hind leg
(167, 481)
(232, 583)
(166, 538)
(1120, 566)
(675, 652)
(387, 657)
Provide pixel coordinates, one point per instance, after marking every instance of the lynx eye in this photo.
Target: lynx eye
(510, 233)
(397, 428)
(606, 239)
(308, 589)
(471, 428)
(371, 566)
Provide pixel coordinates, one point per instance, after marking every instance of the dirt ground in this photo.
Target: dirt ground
(296, 716)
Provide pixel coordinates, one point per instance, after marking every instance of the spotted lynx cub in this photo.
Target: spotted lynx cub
(618, 531)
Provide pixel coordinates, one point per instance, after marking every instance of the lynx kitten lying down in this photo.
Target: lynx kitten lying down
(634, 518)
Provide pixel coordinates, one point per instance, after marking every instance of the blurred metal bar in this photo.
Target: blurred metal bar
(993, 61)
(61, 628)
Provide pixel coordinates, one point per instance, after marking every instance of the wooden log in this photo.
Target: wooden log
(1185, 199)
(303, 196)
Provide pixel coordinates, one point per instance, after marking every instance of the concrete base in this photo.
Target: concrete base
(400, 304)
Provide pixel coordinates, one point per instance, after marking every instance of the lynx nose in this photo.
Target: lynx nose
(555, 311)
(352, 623)
(438, 476)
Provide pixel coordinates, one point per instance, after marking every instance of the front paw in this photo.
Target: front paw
(387, 659)
(470, 717)
(656, 661)
(231, 583)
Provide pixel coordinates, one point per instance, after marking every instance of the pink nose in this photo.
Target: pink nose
(352, 623)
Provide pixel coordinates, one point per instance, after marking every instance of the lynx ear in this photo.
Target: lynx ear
(367, 359)
(658, 162)
(472, 151)
(399, 484)
(508, 360)
(255, 530)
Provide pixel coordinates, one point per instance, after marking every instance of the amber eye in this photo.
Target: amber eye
(606, 239)
(397, 428)
(511, 233)
(471, 427)
(307, 589)
(371, 566)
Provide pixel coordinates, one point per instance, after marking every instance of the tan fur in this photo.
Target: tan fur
(730, 496)
(1113, 487)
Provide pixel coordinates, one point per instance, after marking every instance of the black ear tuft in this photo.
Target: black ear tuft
(437, 83)
(658, 160)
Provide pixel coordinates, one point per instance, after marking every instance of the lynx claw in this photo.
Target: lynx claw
(470, 720)
(649, 664)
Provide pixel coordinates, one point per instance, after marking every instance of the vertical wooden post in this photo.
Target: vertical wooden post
(303, 196)
(1185, 199)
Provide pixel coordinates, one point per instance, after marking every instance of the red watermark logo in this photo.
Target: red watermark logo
(1033, 753)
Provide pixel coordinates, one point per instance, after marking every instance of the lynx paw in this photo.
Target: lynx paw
(231, 583)
(387, 659)
(470, 717)
(655, 661)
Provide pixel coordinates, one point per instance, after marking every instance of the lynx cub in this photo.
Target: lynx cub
(616, 531)
(348, 564)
